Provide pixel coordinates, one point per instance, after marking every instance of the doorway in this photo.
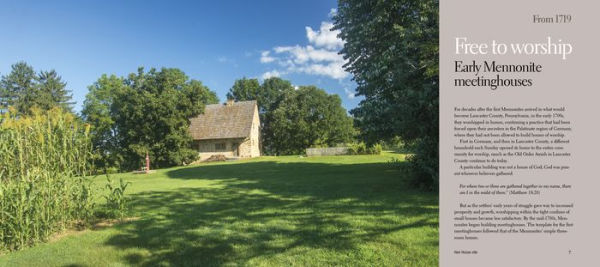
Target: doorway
(236, 149)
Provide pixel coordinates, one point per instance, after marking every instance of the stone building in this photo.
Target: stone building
(230, 129)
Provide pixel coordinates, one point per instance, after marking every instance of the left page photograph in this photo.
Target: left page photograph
(233, 133)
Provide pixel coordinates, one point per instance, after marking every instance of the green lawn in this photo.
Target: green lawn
(270, 211)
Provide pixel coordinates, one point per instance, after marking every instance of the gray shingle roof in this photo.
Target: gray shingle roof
(224, 121)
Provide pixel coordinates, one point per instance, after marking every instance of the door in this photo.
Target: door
(235, 147)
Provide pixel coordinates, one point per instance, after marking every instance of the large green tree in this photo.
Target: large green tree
(268, 96)
(147, 112)
(309, 117)
(392, 51)
(244, 89)
(23, 89)
(97, 112)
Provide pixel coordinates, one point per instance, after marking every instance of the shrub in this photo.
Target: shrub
(424, 164)
(375, 149)
(361, 149)
(357, 148)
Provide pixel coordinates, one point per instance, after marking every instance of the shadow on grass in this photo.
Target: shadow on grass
(261, 209)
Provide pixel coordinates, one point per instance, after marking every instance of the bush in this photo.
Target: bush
(424, 164)
(375, 149)
(357, 148)
(361, 149)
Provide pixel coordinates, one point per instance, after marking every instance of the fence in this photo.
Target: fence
(326, 151)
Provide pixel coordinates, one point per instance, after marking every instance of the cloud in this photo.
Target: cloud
(349, 94)
(331, 69)
(308, 53)
(269, 74)
(332, 12)
(319, 57)
(265, 58)
(324, 37)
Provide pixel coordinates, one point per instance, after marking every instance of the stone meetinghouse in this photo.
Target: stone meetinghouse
(230, 129)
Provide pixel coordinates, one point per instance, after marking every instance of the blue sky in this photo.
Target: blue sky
(215, 42)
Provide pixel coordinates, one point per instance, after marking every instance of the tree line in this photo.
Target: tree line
(24, 89)
(149, 112)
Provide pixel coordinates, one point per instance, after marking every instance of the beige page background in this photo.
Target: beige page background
(572, 83)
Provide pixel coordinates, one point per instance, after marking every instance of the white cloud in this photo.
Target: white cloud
(269, 74)
(331, 69)
(332, 12)
(319, 57)
(308, 53)
(324, 37)
(349, 94)
(265, 58)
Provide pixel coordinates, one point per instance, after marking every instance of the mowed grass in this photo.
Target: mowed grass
(269, 211)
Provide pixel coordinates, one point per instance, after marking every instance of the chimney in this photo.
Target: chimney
(229, 102)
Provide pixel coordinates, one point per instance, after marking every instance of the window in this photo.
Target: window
(220, 146)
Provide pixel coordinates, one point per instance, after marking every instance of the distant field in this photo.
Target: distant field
(270, 211)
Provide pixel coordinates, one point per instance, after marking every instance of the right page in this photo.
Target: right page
(519, 129)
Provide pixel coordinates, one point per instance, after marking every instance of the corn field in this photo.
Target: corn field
(43, 185)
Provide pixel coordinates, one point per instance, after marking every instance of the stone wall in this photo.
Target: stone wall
(255, 135)
(246, 149)
(229, 147)
(250, 147)
(326, 151)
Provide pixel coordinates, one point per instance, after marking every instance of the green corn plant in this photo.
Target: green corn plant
(116, 201)
(44, 160)
(82, 197)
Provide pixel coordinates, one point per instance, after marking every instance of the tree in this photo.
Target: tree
(54, 90)
(23, 89)
(97, 112)
(147, 112)
(244, 89)
(392, 51)
(18, 88)
(268, 96)
(309, 117)
(269, 99)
